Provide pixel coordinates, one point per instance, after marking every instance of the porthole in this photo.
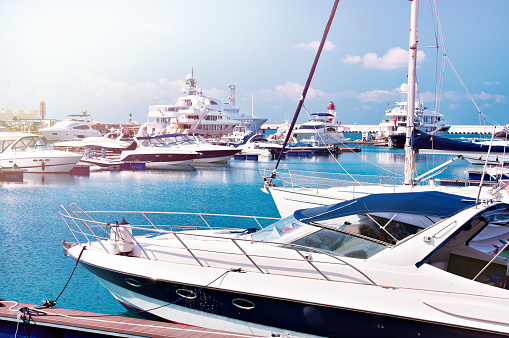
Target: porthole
(132, 282)
(188, 294)
(243, 304)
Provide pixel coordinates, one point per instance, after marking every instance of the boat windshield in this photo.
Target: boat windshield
(357, 236)
(28, 143)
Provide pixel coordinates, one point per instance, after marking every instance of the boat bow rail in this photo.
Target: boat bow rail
(186, 241)
(324, 180)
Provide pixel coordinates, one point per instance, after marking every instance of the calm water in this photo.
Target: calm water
(33, 268)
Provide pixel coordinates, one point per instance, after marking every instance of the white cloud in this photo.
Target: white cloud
(291, 90)
(328, 46)
(395, 58)
(156, 28)
(485, 96)
(494, 83)
(379, 95)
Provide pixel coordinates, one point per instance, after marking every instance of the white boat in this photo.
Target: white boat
(207, 153)
(73, 127)
(394, 124)
(29, 153)
(321, 130)
(111, 142)
(195, 114)
(258, 145)
(156, 153)
(390, 265)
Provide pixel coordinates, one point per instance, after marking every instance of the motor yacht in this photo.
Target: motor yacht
(384, 265)
(207, 153)
(155, 152)
(74, 127)
(111, 142)
(321, 130)
(29, 153)
(393, 126)
(196, 114)
(259, 145)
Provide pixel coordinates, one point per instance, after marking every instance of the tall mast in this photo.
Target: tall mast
(412, 64)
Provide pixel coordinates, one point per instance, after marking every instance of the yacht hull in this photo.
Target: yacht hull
(41, 161)
(215, 156)
(232, 310)
(157, 160)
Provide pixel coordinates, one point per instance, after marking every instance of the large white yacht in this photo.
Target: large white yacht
(393, 125)
(321, 130)
(77, 126)
(196, 114)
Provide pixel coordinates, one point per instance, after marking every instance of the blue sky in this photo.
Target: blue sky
(112, 58)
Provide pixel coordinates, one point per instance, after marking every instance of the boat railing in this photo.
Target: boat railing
(86, 230)
(324, 180)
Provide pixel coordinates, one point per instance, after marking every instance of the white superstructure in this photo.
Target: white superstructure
(74, 127)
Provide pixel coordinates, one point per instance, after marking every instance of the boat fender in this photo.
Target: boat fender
(125, 244)
(114, 238)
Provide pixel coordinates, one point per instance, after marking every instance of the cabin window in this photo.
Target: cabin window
(341, 244)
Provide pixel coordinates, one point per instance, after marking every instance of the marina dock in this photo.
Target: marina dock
(54, 322)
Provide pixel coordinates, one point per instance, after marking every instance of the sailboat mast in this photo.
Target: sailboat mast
(412, 64)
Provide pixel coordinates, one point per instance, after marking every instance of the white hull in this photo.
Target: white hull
(192, 317)
(43, 161)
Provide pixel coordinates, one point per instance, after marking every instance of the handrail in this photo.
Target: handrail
(179, 234)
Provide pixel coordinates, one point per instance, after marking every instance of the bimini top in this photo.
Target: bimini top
(430, 203)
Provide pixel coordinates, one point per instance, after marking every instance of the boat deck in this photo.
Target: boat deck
(57, 322)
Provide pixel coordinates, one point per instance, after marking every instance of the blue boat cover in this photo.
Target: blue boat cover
(430, 203)
(421, 140)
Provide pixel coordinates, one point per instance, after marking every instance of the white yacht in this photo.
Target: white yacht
(74, 127)
(394, 124)
(207, 152)
(156, 153)
(29, 153)
(195, 114)
(322, 130)
(386, 265)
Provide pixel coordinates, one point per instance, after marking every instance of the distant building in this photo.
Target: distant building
(24, 119)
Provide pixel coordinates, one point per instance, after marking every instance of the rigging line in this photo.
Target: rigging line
(308, 82)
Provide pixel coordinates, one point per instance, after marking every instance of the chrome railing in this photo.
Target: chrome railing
(82, 226)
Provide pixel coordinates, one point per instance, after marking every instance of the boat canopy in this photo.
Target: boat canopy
(429, 203)
(322, 114)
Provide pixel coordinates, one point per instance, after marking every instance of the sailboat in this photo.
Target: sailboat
(292, 190)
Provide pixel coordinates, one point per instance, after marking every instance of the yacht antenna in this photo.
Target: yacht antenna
(231, 98)
(412, 63)
(306, 86)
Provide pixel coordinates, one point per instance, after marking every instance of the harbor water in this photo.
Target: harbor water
(33, 268)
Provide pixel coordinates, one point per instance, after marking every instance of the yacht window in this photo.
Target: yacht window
(82, 127)
(4, 145)
(311, 127)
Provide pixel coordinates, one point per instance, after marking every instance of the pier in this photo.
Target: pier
(36, 321)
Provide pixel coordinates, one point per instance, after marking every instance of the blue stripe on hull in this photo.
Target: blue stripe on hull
(287, 314)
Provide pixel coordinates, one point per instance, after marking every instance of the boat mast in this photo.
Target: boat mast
(412, 64)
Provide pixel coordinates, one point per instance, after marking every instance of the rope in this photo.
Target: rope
(51, 303)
